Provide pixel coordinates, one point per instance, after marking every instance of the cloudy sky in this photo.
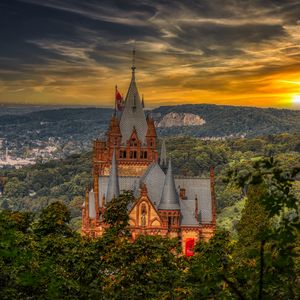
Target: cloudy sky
(236, 52)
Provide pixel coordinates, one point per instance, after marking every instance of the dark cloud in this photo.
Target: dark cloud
(179, 43)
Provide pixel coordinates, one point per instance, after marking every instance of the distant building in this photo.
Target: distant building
(181, 207)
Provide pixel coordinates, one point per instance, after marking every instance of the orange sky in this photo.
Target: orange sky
(186, 53)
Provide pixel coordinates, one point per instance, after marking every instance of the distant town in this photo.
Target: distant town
(14, 156)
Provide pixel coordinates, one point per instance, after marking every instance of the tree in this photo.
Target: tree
(116, 214)
(271, 239)
(54, 219)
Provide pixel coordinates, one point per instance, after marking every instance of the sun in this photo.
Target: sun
(296, 99)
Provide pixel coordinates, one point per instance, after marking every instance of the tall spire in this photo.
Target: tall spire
(113, 181)
(133, 114)
(163, 154)
(169, 198)
(133, 62)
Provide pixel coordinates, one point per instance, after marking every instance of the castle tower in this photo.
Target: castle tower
(133, 115)
(131, 134)
(169, 206)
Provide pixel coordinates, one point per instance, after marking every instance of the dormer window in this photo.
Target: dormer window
(182, 193)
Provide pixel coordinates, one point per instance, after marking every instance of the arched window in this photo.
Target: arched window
(143, 214)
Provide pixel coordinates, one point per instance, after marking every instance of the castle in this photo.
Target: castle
(166, 205)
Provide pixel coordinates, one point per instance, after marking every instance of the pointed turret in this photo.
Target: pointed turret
(143, 102)
(133, 114)
(163, 154)
(169, 198)
(113, 181)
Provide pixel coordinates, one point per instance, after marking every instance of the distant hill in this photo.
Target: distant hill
(81, 125)
(221, 120)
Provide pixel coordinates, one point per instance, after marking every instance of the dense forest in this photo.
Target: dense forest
(41, 257)
(34, 187)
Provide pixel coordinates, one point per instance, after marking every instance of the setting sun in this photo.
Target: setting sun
(296, 99)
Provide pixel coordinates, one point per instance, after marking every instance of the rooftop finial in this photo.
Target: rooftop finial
(133, 61)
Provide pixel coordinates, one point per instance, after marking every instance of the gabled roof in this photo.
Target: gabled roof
(154, 179)
(169, 198)
(113, 189)
(133, 115)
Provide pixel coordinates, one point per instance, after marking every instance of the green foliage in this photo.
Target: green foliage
(116, 211)
(54, 219)
(268, 230)
(52, 262)
(210, 272)
(45, 259)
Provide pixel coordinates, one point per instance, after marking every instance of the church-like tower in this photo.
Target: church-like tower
(127, 159)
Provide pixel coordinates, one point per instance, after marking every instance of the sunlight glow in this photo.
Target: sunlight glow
(296, 99)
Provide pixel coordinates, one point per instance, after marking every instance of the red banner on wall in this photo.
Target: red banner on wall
(189, 246)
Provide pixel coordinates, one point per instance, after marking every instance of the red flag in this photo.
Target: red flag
(119, 100)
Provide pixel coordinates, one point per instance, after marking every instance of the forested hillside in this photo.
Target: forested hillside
(224, 120)
(32, 188)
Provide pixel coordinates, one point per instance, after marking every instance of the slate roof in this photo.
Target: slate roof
(187, 209)
(169, 198)
(201, 188)
(154, 178)
(133, 115)
(125, 183)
